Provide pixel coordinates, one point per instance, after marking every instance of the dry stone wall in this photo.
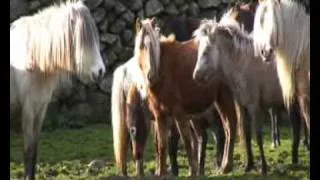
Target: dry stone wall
(115, 20)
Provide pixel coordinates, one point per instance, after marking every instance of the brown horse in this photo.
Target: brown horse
(167, 67)
(225, 49)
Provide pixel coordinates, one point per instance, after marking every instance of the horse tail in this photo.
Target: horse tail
(119, 128)
(287, 80)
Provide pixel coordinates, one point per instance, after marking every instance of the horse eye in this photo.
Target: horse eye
(133, 131)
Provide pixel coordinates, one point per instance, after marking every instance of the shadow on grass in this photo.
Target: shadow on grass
(244, 177)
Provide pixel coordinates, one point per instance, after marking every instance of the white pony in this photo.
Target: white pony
(282, 27)
(59, 39)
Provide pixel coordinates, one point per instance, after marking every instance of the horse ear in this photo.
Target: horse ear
(138, 24)
(153, 22)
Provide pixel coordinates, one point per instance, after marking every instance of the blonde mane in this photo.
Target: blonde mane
(57, 36)
(147, 41)
(290, 33)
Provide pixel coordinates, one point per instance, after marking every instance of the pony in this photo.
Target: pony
(123, 78)
(282, 28)
(167, 67)
(39, 54)
(224, 48)
(244, 15)
(131, 118)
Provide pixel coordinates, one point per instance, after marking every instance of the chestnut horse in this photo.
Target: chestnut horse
(167, 67)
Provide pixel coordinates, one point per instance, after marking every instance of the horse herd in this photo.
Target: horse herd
(228, 74)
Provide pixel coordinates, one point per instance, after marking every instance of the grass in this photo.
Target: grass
(65, 154)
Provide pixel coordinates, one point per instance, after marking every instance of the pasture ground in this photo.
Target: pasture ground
(66, 153)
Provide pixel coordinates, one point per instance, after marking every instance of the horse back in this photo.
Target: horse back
(178, 61)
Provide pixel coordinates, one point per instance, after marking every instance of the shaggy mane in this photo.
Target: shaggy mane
(57, 35)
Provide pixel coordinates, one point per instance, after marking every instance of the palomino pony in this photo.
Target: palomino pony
(123, 78)
(167, 67)
(61, 38)
(225, 49)
(282, 28)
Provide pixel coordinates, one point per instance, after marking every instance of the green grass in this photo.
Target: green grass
(65, 154)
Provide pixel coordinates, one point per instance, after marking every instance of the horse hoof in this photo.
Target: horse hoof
(249, 167)
(226, 169)
(264, 171)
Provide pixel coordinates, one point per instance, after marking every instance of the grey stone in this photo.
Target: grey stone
(83, 109)
(194, 9)
(153, 7)
(109, 38)
(102, 47)
(171, 9)
(112, 58)
(138, 4)
(18, 8)
(106, 83)
(126, 54)
(128, 16)
(80, 94)
(184, 8)
(140, 14)
(133, 5)
(99, 14)
(209, 3)
(117, 47)
(92, 4)
(117, 26)
(120, 8)
(179, 2)
(34, 5)
(127, 36)
(109, 4)
(165, 2)
(111, 16)
(208, 13)
(104, 25)
(96, 97)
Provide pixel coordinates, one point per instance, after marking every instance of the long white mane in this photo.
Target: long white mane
(286, 26)
(60, 37)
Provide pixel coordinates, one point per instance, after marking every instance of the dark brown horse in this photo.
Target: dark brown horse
(167, 67)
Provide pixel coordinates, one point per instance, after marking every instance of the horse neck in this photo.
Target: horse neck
(240, 63)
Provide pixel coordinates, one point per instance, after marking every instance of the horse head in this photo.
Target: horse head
(87, 58)
(147, 48)
(136, 122)
(267, 30)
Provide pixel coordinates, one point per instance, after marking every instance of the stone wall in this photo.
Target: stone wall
(115, 21)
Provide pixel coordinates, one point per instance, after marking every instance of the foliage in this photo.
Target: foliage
(66, 153)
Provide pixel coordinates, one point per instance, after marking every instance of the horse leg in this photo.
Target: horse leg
(201, 134)
(220, 140)
(227, 110)
(303, 95)
(276, 119)
(31, 125)
(173, 149)
(255, 115)
(306, 141)
(161, 126)
(273, 129)
(247, 126)
(185, 132)
(295, 120)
